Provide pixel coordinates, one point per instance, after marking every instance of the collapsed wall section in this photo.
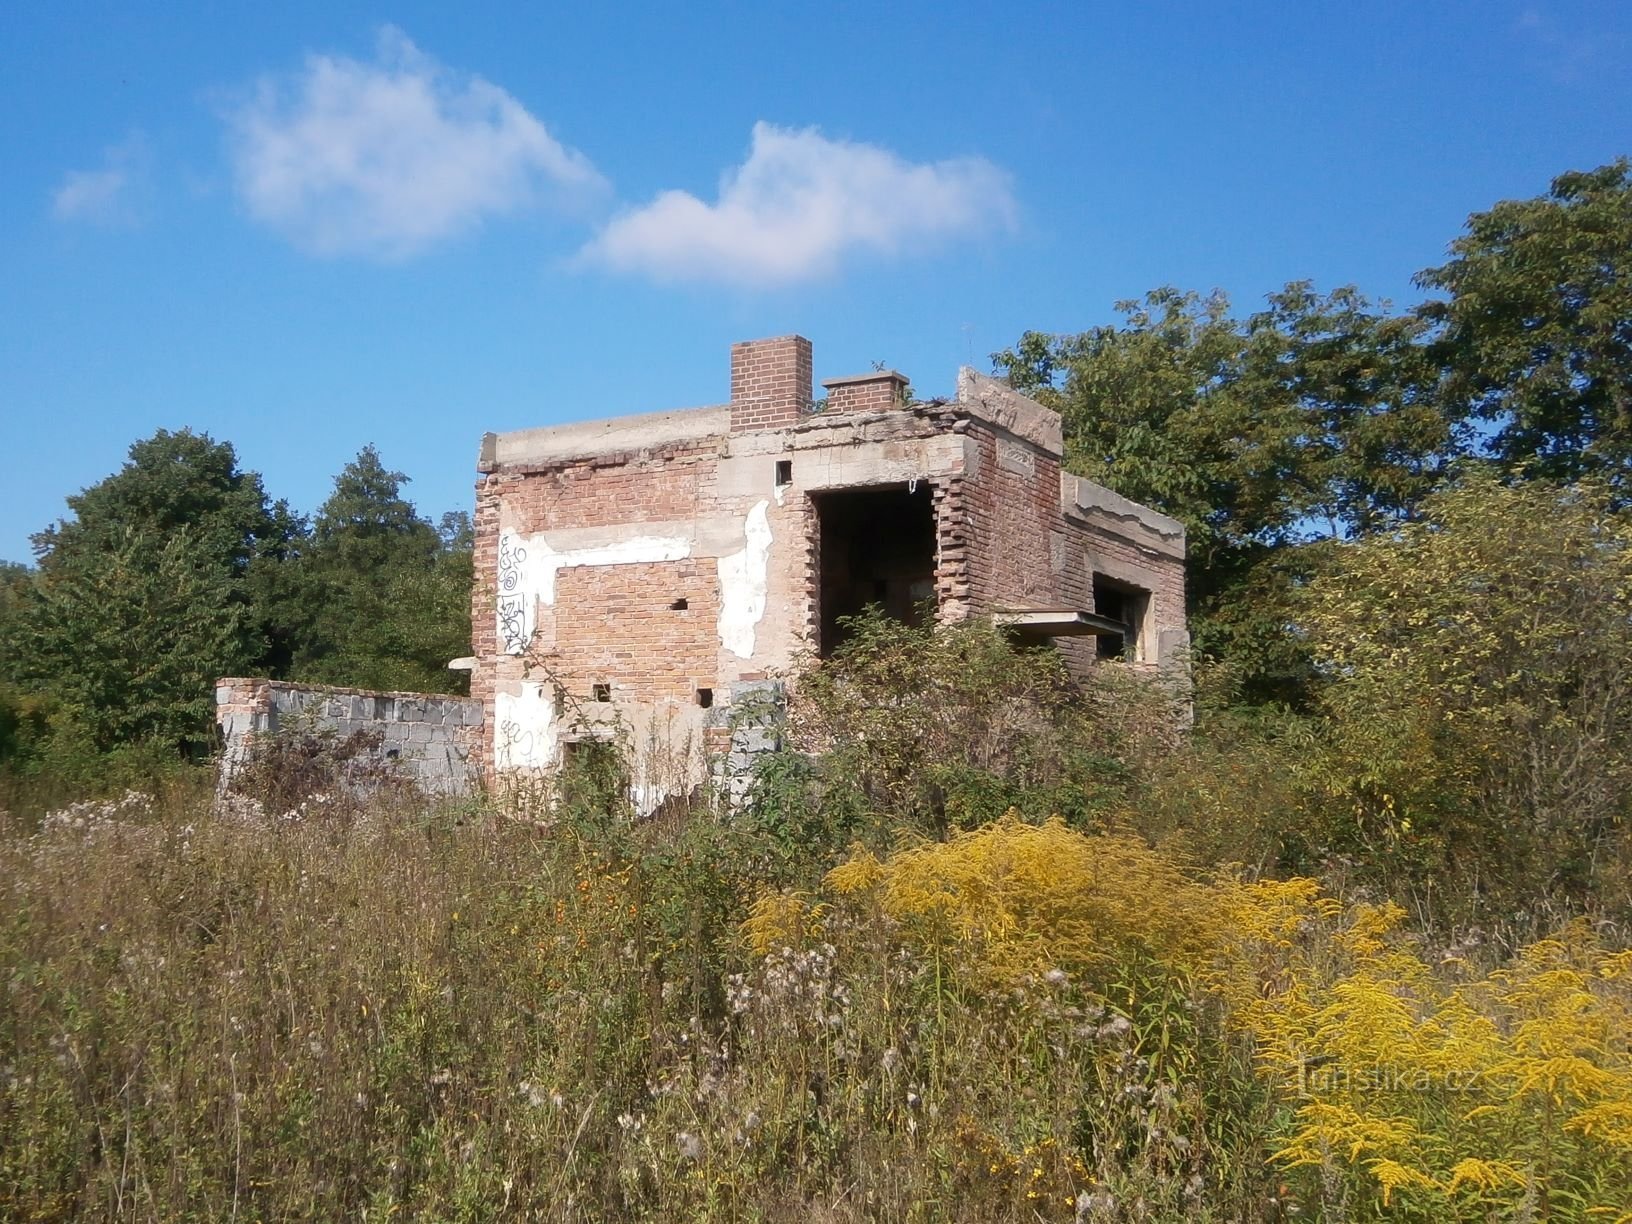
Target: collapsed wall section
(429, 738)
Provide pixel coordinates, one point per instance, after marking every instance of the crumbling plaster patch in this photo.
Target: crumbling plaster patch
(743, 584)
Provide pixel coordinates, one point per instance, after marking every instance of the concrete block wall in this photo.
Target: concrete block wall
(431, 737)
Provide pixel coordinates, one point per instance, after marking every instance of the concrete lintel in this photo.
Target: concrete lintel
(996, 403)
(859, 464)
(1058, 622)
(587, 439)
(710, 536)
(1085, 499)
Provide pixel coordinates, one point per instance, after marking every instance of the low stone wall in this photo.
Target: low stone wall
(433, 737)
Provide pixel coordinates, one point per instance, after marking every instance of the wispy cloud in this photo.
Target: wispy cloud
(112, 194)
(387, 158)
(797, 206)
(1568, 53)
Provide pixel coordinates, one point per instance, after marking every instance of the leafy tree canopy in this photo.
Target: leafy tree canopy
(171, 481)
(382, 598)
(1313, 417)
(1535, 330)
(1478, 703)
(133, 642)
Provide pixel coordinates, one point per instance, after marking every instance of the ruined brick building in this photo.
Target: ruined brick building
(657, 574)
(649, 570)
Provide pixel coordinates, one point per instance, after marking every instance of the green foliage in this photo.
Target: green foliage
(173, 481)
(1535, 331)
(948, 727)
(379, 598)
(130, 640)
(1477, 724)
(177, 570)
(1312, 416)
(1310, 413)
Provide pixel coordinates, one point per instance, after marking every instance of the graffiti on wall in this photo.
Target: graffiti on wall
(515, 631)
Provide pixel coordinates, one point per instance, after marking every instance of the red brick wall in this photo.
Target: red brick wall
(1002, 541)
(1012, 505)
(881, 394)
(614, 624)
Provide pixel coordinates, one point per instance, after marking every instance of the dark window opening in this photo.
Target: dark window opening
(392, 754)
(679, 605)
(1128, 605)
(784, 472)
(600, 692)
(877, 547)
(705, 698)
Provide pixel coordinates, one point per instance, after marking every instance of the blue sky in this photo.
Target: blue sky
(307, 227)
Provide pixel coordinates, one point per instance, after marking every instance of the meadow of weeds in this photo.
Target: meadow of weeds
(352, 1012)
(892, 986)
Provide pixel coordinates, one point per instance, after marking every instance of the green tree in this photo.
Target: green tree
(171, 481)
(386, 596)
(187, 480)
(131, 640)
(1477, 736)
(1535, 330)
(1313, 418)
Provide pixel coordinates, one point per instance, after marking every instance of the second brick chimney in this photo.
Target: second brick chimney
(880, 391)
(770, 382)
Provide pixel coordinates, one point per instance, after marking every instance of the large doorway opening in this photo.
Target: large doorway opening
(877, 546)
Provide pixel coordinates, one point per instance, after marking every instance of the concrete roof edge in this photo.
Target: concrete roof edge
(575, 439)
(992, 400)
(872, 376)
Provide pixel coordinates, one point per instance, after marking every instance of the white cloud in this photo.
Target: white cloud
(387, 158)
(797, 205)
(110, 195)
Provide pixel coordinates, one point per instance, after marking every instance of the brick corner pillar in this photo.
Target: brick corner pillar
(770, 383)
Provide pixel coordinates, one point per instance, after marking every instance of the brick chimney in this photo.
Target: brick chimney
(770, 382)
(880, 391)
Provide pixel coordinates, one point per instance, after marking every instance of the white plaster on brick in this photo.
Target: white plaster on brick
(524, 730)
(742, 584)
(528, 565)
(647, 797)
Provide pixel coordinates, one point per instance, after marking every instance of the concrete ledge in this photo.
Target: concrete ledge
(1083, 499)
(996, 403)
(557, 444)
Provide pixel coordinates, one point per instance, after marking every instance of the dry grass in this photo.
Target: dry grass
(436, 1013)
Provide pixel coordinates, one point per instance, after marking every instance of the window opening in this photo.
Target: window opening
(1128, 605)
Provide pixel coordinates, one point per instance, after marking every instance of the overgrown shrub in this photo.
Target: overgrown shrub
(946, 727)
(305, 765)
(1474, 755)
